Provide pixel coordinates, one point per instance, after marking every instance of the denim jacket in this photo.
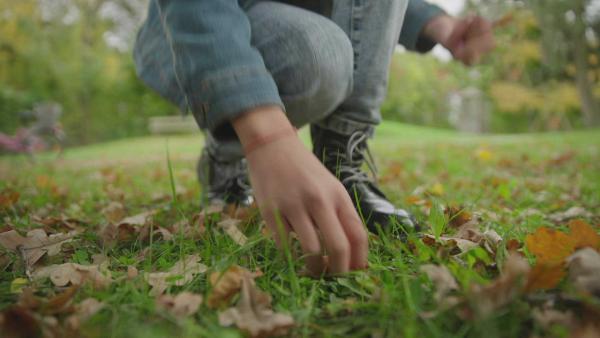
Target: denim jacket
(197, 54)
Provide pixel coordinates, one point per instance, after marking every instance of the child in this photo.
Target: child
(253, 71)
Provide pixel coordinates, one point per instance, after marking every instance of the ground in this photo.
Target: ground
(511, 184)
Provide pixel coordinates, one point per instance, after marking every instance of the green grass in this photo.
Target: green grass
(498, 176)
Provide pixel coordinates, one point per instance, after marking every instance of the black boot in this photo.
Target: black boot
(224, 182)
(344, 156)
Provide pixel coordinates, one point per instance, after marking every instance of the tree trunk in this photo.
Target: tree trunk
(590, 106)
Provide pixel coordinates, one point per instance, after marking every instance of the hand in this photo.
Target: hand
(468, 39)
(293, 189)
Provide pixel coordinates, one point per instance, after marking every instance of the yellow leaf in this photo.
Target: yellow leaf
(437, 189)
(484, 154)
(16, 286)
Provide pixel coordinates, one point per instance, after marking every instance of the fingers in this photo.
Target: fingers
(334, 237)
(471, 39)
(277, 226)
(309, 241)
(356, 234)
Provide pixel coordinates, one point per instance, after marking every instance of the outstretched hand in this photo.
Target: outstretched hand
(295, 192)
(468, 38)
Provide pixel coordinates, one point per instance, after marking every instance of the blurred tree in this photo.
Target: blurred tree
(69, 52)
(566, 28)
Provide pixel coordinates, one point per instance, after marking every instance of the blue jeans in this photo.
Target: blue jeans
(331, 67)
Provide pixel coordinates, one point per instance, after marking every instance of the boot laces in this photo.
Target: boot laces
(350, 166)
(234, 177)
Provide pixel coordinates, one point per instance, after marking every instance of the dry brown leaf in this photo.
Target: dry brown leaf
(139, 219)
(454, 244)
(114, 212)
(182, 305)
(185, 269)
(548, 317)
(75, 274)
(584, 271)
(134, 227)
(230, 226)
(253, 314)
(441, 277)
(227, 284)
(502, 291)
(83, 311)
(8, 198)
(457, 216)
(132, 272)
(36, 244)
(32, 316)
(573, 212)
(56, 223)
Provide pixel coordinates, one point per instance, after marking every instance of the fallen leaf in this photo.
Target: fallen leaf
(549, 246)
(132, 272)
(545, 276)
(484, 154)
(83, 311)
(503, 290)
(436, 190)
(230, 226)
(584, 271)
(8, 198)
(17, 285)
(253, 314)
(457, 216)
(139, 219)
(62, 222)
(584, 235)
(35, 245)
(454, 245)
(226, 284)
(114, 212)
(74, 274)
(573, 212)
(562, 158)
(182, 305)
(549, 317)
(180, 274)
(441, 278)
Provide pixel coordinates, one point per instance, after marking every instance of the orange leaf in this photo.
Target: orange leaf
(8, 198)
(545, 276)
(550, 246)
(583, 234)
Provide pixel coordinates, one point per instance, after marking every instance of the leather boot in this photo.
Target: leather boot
(224, 182)
(344, 157)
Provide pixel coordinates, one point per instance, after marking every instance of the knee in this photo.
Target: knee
(313, 68)
(322, 74)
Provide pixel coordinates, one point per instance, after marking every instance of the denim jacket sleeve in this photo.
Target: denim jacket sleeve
(418, 13)
(216, 69)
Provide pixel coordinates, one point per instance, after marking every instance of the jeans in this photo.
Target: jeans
(330, 70)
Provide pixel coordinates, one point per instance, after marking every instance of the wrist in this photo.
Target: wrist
(260, 122)
(262, 125)
(439, 29)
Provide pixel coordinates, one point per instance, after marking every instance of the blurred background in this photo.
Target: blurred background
(75, 56)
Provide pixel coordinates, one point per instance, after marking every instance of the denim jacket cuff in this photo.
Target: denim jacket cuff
(226, 96)
(414, 23)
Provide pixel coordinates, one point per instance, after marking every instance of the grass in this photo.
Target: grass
(501, 177)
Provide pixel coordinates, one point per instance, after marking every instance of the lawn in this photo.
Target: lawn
(487, 204)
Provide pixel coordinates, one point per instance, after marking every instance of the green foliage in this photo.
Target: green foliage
(70, 63)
